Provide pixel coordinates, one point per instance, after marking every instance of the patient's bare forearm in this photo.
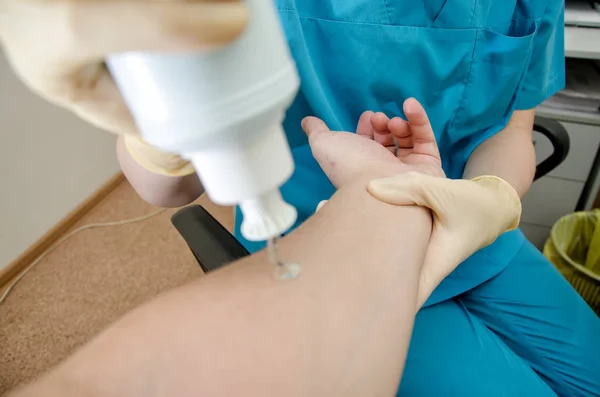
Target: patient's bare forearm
(341, 329)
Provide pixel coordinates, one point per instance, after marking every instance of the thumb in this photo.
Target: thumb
(321, 145)
(410, 188)
(316, 130)
(314, 127)
(415, 188)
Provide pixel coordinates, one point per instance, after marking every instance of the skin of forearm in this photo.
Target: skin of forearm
(158, 190)
(509, 154)
(342, 328)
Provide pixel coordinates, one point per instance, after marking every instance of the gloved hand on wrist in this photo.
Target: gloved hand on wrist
(468, 215)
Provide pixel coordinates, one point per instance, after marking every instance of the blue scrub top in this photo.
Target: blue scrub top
(471, 63)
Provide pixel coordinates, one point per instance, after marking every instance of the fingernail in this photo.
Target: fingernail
(378, 115)
(411, 106)
(303, 124)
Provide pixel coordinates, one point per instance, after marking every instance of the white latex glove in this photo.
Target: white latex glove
(468, 215)
(58, 47)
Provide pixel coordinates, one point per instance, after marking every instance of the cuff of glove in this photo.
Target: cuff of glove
(505, 190)
(157, 161)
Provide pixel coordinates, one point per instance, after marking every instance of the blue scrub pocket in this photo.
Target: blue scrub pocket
(367, 66)
(500, 61)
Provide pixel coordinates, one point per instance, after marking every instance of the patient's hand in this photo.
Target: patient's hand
(371, 152)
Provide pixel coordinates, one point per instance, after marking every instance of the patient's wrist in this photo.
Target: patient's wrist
(369, 173)
(357, 186)
(370, 207)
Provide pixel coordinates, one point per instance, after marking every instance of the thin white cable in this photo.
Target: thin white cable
(68, 236)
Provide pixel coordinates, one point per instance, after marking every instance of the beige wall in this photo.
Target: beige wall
(50, 161)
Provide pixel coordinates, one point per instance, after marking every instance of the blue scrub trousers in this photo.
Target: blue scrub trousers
(525, 332)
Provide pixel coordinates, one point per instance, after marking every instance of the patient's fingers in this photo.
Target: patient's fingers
(423, 138)
(401, 130)
(364, 126)
(382, 134)
(313, 127)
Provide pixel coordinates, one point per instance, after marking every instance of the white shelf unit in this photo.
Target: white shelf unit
(582, 42)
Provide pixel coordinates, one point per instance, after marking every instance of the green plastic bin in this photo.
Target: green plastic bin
(574, 248)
